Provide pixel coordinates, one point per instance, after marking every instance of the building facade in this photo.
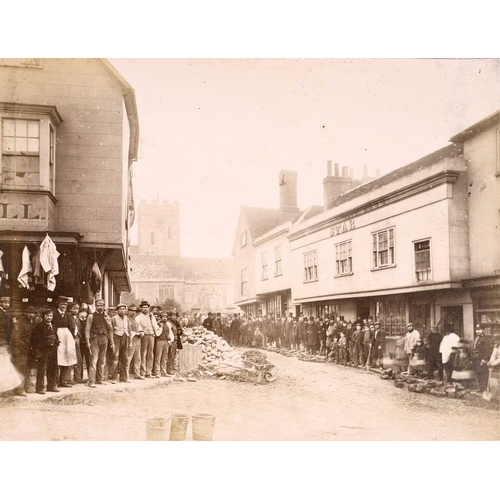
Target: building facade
(159, 272)
(69, 135)
(420, 244)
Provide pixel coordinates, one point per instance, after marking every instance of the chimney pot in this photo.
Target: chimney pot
(377, 172)
(336, 169)
(329, 168)
(365, 170)
(345, 171)
(351, 173)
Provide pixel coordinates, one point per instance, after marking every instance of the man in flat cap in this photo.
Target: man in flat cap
(148, 328)
(99, 334)
(378, 345)
(481, 353)
(411, 339)
(66, 355)
(6, 323)
(134, 351)
(44, 342)
(122, 332)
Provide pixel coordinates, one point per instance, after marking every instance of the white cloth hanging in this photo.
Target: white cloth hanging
(48, 260)
(1, 263)
(26, 268)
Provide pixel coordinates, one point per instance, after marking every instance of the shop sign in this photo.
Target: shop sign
(20, 211)
(346, 226)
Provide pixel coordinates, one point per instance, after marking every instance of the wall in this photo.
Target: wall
(243, 258)
(157, 217)
(419, 217)
(89, 163)
(273, 282)
(482, 156)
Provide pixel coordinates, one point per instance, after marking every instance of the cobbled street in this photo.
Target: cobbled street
(308, 401)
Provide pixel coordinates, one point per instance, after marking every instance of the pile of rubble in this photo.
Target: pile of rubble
(455, 390)
(215, 350)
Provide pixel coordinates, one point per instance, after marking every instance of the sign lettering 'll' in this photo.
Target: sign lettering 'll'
(18, 211)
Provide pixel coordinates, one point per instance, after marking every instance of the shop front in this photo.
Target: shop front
(76, 271)
(486, 303)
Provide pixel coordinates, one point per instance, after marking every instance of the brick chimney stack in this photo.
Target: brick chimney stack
(335, 185)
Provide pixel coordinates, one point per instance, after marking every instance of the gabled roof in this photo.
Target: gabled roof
(453, 151)
(480, 126)
(262, 220)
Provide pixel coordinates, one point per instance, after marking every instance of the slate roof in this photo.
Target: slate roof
(453, 151)
(262, 220)
(312, 211)
(165, 268)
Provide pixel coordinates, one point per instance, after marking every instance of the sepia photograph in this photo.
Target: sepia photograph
(185, 240)
(255, 250)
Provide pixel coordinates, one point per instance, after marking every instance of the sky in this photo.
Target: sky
(215, 133)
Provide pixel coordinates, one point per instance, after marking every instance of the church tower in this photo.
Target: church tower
(158, 228)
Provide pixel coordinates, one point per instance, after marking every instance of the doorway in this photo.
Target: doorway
(452, 319)
(363, 308)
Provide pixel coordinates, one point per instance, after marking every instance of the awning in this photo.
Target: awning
(64, 238)
(376, 293)
(246, 302)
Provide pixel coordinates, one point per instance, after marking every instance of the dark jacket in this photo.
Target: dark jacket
(59, 320)
(483, 347)
(6, 326)
(208, 323)
(43, 336)
(21, 334)
(378, 338)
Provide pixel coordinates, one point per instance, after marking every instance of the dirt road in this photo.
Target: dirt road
(309, 401)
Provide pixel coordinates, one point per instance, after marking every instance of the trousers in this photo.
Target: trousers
(147, 354)
(134, 356)
(98, 349)
(172, 351)
(47, 365)
(83, 355)
(119, 365)
(161, 357)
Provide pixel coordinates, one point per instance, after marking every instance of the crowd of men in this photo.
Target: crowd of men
(363, 344)
(340, 341)
(65, 343)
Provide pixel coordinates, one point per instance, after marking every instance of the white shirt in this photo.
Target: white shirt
(446, 347)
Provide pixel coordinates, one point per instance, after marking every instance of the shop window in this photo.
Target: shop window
(28, 147)
(392, 316)
(423, 260)
(244, 282)
(343, 257)
(264, 265)
(383, 249)
(278, 271)
(189, 296)
(310, 266)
